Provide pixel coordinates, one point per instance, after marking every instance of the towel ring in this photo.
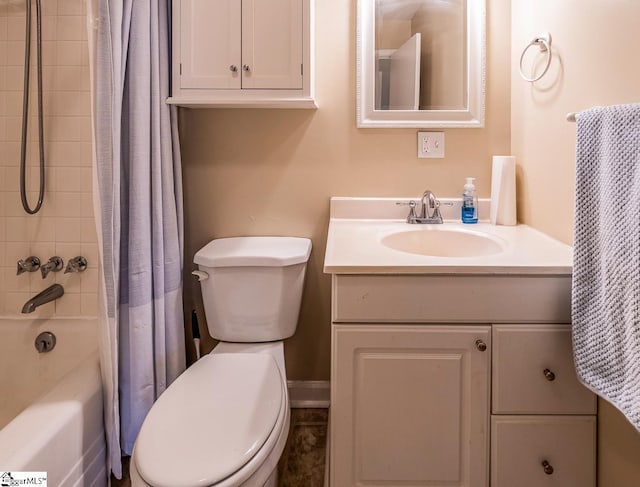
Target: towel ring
(544, 42)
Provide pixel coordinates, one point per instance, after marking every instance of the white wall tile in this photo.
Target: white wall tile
(68, 230)
(70, 281)
(71, 7)
(50, 7)
(69, 305)
(65, 225)
(70, 27)
(89, 304)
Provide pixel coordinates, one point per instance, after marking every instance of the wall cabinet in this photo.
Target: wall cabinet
(242, 53)
(468, 396)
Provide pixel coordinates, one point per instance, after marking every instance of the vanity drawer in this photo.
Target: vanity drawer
(408, 298)
(543, 451)
(533, 372)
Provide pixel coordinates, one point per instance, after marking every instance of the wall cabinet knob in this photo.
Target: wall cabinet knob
(550, 376)
(233, 68)
(548, 469)
(480, 345)
(246, 67)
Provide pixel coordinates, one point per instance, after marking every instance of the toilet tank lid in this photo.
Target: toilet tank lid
(254, 251)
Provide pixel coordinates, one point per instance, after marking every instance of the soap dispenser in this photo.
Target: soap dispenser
(469, 202)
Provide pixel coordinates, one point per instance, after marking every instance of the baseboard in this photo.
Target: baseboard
(309, 393)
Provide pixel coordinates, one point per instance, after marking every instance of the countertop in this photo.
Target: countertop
(358, 225)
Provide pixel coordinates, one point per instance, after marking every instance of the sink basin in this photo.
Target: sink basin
(438, 242)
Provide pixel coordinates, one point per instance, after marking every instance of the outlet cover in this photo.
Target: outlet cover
(430, 145)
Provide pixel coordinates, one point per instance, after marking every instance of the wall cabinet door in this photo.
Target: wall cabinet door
(248, 44)
(210, 44)
(410, 405)
(272, 44)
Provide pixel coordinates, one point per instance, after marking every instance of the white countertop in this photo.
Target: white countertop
(355, 233)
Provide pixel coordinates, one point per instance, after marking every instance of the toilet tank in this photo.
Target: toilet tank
(252, 286)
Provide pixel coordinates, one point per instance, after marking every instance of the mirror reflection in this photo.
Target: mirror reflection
(421, 55)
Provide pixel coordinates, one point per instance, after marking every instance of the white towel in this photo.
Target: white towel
(606, 267)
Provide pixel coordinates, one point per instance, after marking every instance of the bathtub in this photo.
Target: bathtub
(51, 403)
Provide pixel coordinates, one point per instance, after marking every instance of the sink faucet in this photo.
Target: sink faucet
(429, 209)
(51, 293)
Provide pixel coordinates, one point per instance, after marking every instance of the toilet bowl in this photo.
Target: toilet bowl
(230, 433)
(224, 422)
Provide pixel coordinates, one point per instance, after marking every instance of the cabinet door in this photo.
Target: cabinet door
(409, 405)
(210, 44)
(272, 44)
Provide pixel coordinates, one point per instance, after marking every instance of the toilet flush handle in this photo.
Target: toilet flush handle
(201, 275)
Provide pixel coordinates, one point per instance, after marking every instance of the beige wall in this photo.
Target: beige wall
(65, 225)
(391, 34)
(442, 68)
(595, 45)
(251, 172)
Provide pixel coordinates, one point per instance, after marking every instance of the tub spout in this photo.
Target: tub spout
(52, 292)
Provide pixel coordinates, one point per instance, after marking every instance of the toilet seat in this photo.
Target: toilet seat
(211, 421)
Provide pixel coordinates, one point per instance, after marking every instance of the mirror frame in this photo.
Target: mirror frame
(472, 116)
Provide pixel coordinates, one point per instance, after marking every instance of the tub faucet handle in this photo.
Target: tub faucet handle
(30, 264)
(54, 264)
(77, 264)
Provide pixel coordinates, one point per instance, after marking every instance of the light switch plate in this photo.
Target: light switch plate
(430, 144)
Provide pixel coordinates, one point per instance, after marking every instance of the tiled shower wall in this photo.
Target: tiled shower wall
(65, 225)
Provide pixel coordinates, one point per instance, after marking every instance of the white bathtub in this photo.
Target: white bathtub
(51, 403)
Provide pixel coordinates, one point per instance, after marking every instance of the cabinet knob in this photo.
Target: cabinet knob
(550, 376)
(480, 345)
(246, 67)
(548, 469)
(233, 68)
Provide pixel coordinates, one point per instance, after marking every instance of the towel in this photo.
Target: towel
(606, 263)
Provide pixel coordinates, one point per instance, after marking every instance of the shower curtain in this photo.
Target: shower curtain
(138, 210)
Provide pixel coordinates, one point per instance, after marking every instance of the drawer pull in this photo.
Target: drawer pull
(480, 345)
(550, 376)
(548, 469)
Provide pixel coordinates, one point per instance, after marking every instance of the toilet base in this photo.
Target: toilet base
(272, 481)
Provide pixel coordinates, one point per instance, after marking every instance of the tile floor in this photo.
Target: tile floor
(303, 460)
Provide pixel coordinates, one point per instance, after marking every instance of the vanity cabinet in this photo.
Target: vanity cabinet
(245, 53)
(457, 380)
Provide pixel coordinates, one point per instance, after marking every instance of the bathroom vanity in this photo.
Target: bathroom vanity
(453, 369)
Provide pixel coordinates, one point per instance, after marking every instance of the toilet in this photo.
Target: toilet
(224, 422)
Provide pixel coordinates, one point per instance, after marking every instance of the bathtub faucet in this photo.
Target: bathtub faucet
(51, 293)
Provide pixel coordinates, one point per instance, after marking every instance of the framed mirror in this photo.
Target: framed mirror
(421, 63)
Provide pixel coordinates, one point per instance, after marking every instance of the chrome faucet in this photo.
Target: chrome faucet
(429, 209)
(30, 264)
(54, 264)
(51, 293)
(77, 264)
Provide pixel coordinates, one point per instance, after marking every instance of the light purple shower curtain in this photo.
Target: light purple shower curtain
(138, 207)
